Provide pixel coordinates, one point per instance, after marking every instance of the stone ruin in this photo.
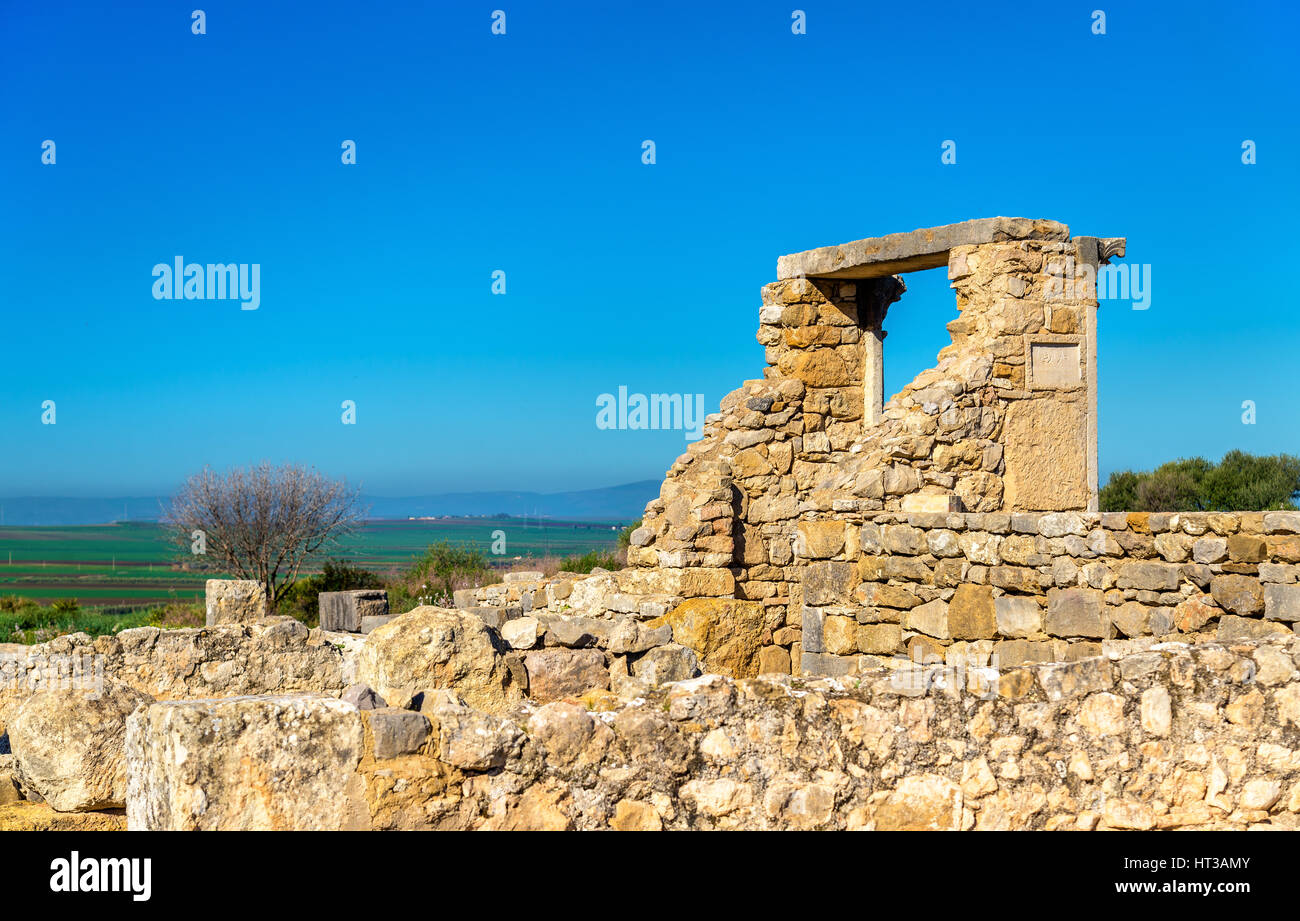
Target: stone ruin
(840, 612)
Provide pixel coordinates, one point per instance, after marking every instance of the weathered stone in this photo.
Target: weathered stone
(69, 744)
(1039, 435)
(1076, 612)
(246, 763)
(520, 632)
(1282, 602)
(1238, 594)
(235, 601)
(725, 633)
(1210, 550)
(879, 639)
(930, 618)
(1156, 715)
(397, 732)
(928, 802)
(429, 648)
(634, 815)
(877, 257)
(363, 697)
(819, 540)
(971, 613)
(629, 636)
(1247, 548)
(344, 611)
(1132, 619)
(560, 672)
(468, 739)
(1156, 577)
(24, 816)
(840, 635)
(670, 662)
(1018, 616)
(1194, 613)
(774, 660)
(1234, 629)
(828, 583)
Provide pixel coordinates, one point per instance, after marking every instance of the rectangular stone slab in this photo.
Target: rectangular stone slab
(344, 612)
(926, 248)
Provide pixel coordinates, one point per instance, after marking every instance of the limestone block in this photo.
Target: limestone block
(69, 744)
(235, 601)
(1239, 594)
(725, 633)
(343, 612)
(244, 763)
(1018, 616)
(1076, 612)
(1282, 602)
(926, 248)
(430, 648)
(560, 672)
(1045, 444)
(670, 662)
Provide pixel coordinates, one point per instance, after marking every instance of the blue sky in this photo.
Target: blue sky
(522, 153)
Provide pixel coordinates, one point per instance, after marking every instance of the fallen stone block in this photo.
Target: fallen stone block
(343, 612)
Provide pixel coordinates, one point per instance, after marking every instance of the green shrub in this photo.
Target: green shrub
(1239, 482)
(591, 560)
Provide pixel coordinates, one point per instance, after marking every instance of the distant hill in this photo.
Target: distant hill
(613, 503)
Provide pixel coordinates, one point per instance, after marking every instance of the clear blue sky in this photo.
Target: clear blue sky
(522, 153)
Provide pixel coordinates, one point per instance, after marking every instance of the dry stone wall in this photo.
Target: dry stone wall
(1022, 587)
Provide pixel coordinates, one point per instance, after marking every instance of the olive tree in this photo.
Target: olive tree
(263, 522)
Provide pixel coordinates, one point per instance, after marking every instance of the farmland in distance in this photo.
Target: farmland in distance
(135, 563)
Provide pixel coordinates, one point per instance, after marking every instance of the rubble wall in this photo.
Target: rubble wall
(1176, 737)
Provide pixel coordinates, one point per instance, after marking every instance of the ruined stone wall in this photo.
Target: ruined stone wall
(1029, 587)
(274, 656)
(979, 431)
(1177, 737)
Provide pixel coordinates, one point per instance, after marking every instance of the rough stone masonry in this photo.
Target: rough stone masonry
(841, 612)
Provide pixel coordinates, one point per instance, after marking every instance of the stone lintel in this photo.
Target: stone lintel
(926, 248)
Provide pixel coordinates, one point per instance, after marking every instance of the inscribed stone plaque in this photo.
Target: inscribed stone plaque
(1054, 364)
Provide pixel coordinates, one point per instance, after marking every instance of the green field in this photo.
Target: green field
(134, 564)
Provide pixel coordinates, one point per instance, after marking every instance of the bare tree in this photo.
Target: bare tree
(263, 522)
